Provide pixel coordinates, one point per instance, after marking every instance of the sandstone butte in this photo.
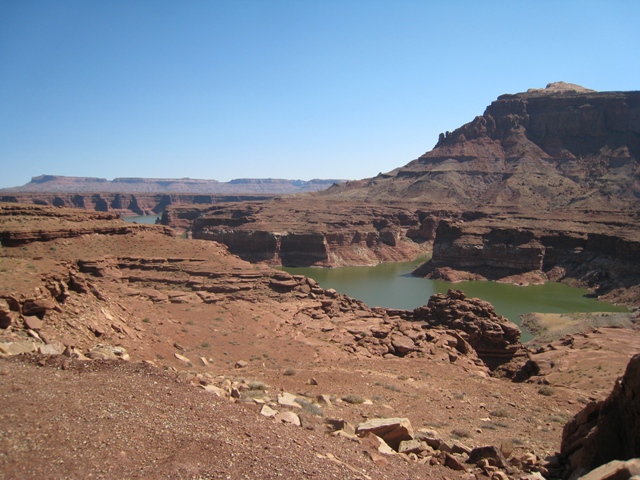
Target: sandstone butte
(132, 352)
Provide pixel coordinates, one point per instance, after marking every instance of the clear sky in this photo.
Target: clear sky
(295, 89)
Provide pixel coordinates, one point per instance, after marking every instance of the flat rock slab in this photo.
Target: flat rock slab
(268, 412)
(288, 400)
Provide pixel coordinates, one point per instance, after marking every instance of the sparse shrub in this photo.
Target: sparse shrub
(403, 377)
(190, 322)
(289, 372)
(146, 320)
(205, 344)
(257, 386)
(379, 399)
(460, 433)
(353, 399)
(500, 413)
(558, 418)
(312, 408)
(458, 396)
(546, 390)
(487, 426)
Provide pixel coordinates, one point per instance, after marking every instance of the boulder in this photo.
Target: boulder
(267, 411)
(402, 344)
(412, 446)
(454, 463)
(37, 306)
(33, 323)
(288, 400)
(6, 316)
(391, 430)
(615, 470)
(108, 352)
(490, 453)
(53, 348)
(16, 348)
(288, 417)
(378, 444)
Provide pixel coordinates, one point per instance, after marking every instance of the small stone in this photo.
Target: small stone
(217, 391)
(241, 364)
(182, 358)
(178, 346)
(313, 381)
(203, 361)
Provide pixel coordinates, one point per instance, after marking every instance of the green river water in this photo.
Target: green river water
(391, 285)
(142, 219)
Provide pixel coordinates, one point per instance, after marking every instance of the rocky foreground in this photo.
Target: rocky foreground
(133, 353)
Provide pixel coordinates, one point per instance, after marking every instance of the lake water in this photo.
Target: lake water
(391, 285)
(142, 219)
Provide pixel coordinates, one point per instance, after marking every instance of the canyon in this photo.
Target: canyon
(131, 350)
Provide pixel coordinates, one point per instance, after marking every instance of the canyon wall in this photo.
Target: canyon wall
(323, 234)
(126, 204)
(600, 254)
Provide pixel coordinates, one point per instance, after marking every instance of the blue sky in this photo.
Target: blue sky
(282, 89)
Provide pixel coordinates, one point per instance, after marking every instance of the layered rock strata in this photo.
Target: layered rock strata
(125, 204)
(322, 233)
(22, 224)
(602, 253)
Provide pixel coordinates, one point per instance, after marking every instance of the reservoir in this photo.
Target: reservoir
(391, 285)
(142, 219)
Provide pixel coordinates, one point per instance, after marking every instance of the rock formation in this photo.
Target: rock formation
(606, 430)
(551, 149)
